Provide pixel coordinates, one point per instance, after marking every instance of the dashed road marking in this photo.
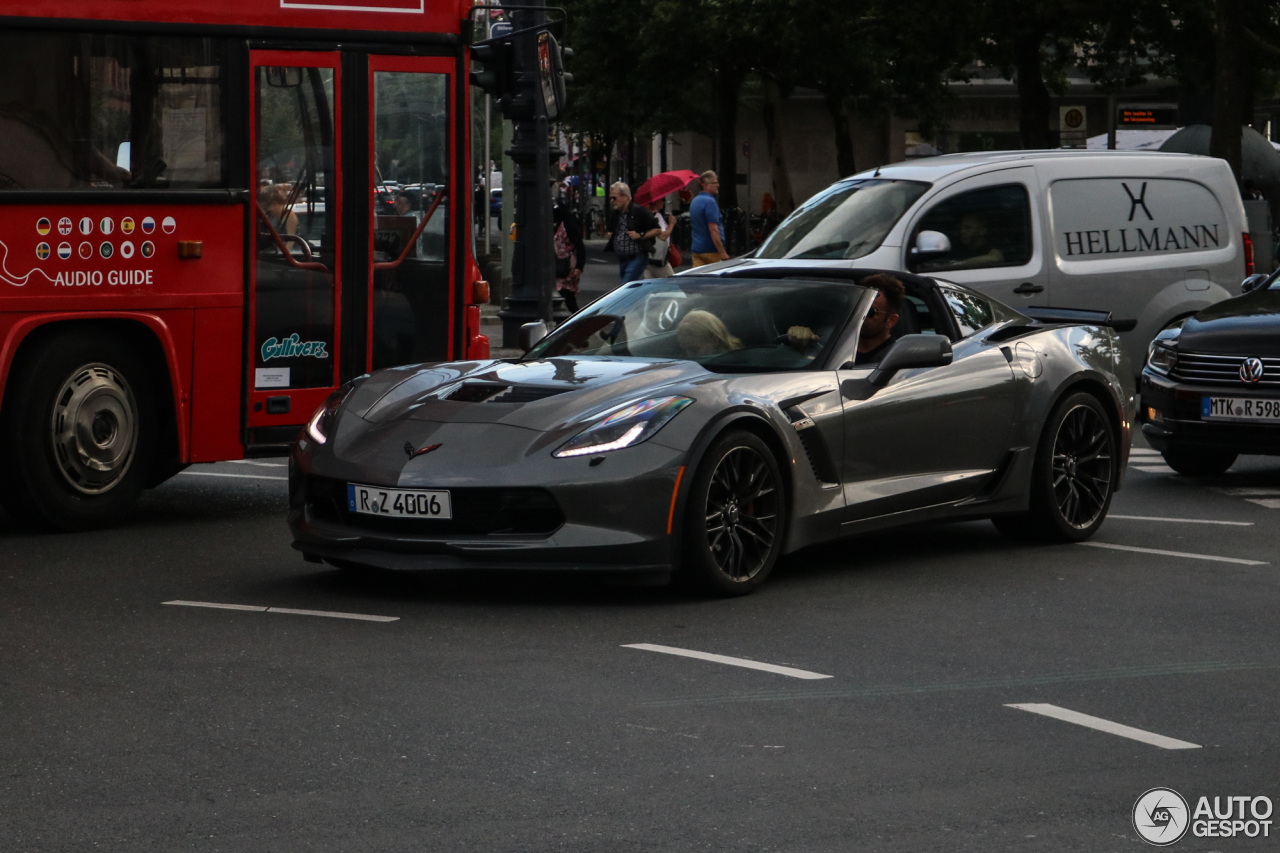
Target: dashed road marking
(233, 476)
(1183, 554)
(1069, 716)
(259, 464)
(1269, 503)
(1152, 469)
(330, 614)
(725, 659)
(1251, 491)
(1180, 520)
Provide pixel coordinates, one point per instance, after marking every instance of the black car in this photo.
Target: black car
(1211, 387)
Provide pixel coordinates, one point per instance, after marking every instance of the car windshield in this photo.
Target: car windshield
(847, 220)
(726, 325)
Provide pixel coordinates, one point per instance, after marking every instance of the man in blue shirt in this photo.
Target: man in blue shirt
(704, 216)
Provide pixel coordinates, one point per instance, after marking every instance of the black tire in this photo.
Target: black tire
(1199, 461)
(1073, 478)
(78, 432)
(735, 518)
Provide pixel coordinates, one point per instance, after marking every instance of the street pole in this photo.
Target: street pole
(488, 181)
(533, 262)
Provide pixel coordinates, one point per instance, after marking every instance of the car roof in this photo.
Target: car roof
(935, 168)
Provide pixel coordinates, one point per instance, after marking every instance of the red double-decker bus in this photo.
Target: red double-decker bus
(211, 216)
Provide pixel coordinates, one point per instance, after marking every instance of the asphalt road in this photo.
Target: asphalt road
(508, 714)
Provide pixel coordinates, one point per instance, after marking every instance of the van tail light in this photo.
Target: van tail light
(1248, 255)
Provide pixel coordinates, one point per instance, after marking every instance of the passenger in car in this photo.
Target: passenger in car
(975, 248)
(702, 333)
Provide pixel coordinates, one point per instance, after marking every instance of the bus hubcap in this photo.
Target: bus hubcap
(94, 428)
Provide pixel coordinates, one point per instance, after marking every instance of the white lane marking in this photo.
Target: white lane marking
(217, 606)
(259, 464)
(235, 476)
(1269, 503)
(1143, 451)
(1252, 492)
(743, 662)
(1183, 554)
(1180, 520)
(1153, 469)
(331, 614)
(1102, 725)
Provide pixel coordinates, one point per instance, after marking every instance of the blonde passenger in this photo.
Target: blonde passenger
(702, 333)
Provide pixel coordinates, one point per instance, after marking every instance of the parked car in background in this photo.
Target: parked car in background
(495, 202)
(1211, 387)
(1146, 236)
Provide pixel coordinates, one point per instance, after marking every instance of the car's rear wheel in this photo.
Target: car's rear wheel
(1073, 475)
(1199, 461)
(78, 433)
(736, 517)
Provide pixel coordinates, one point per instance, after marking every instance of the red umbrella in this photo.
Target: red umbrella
(664, 184)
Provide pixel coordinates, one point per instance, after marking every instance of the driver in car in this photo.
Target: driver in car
(875, 339)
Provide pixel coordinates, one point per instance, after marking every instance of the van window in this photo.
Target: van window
(990, 227)
(847, 220)
(110, 111)
(1100, 218)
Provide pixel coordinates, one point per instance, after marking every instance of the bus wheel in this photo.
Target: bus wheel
(79, 433)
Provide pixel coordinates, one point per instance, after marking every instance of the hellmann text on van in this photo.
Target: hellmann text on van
(1155, 239)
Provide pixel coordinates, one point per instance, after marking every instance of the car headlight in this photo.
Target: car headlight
(322, 421)
(624, 427)
(1161, 359)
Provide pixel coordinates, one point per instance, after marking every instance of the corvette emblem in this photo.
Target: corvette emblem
(1251, 370)
(412, 451)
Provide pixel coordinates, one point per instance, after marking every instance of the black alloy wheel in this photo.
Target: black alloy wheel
(1073, 477)
(736, 516)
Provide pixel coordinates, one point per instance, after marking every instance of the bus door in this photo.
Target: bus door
(295, 283)
(410, 312)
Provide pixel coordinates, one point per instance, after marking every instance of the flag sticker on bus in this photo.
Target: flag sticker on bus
(64, 226)
(43, 226)
(168, 224)
(126, 225)
(106, 225)
(106, 249)
(86, 225)
(42, 251)
(148, 225)
(356, 5)
(64, 250)
(86, 250)
(148, 248)
(126, 249)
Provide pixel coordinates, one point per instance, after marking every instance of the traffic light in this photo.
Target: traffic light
(551, 73)
(497, 68)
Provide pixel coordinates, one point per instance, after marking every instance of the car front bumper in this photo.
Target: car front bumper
(1171, 414)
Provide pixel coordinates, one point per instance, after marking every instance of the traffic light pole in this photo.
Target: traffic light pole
(533, 263)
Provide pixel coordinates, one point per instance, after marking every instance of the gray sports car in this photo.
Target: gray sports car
(706, 425)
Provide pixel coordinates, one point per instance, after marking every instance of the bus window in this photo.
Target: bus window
(106, 111)
(411, 153)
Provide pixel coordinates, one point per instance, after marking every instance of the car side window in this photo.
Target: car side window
(990, 227)
(972, 312)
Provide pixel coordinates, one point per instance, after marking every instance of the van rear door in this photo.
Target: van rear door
(995, 231)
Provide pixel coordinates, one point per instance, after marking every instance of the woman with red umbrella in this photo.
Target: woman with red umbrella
(652, 194)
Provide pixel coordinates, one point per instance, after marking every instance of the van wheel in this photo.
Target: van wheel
(1199, 461)
(79, 433)
(736, 517)
(1073, 475)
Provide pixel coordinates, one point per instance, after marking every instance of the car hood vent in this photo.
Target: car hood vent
(494, 392)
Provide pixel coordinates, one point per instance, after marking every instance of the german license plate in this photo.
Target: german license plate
(398, 503)
(1240, 409)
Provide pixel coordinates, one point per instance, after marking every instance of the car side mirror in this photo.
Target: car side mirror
(1253, 282)
(530, 334)
(911, 351)
(931, 243)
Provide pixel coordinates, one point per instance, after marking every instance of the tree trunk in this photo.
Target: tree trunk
(1228, 93)
(774, 120)
(728, 88)
(1033, 94)
(844, 138)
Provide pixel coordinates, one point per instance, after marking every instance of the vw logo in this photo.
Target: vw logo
(1251, 370)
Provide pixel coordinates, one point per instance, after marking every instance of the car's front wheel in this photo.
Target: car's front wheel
(1199, 461)
(736, 516)
(1073, 475)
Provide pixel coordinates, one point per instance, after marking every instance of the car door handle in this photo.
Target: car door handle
(1028, 287)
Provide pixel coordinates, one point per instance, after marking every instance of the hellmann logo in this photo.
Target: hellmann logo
(1131, 218)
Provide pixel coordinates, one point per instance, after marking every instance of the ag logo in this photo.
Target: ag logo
(1160, 817)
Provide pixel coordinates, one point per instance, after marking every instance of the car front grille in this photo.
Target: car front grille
(1195, 368)
(527, 512)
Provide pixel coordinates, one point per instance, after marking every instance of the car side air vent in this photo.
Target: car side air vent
(815, 447)
(525, 394)
(477, 392)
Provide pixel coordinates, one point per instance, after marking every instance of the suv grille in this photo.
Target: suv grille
(1203, 369)
(476, 512)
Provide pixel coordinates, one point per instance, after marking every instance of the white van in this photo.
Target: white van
(1146, 236)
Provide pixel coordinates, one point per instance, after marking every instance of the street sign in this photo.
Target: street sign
(1147, 116)
(1073, 128)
